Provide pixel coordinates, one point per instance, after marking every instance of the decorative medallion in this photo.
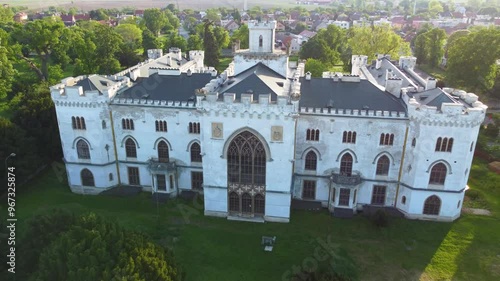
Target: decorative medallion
(277, 133)
(217, 130)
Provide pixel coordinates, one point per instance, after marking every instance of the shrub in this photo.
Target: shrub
(380, 219)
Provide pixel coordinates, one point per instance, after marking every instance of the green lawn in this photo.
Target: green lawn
(217, 249)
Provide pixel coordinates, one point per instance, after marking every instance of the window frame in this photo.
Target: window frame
(309, 190)
(379, 193)
(197, 180)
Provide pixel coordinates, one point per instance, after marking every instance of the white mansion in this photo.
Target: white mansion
(263, 134)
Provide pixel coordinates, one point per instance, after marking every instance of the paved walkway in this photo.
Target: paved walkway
(481, 212)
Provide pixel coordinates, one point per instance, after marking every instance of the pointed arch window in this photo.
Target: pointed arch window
(346, 165)
(438, 174)
(247, 160)
(260, 41)
(413, 142)
(196, 152)
(130, 148)
(432, 205)
(383, 166)
(234, 202)
(311, 161)
(82, 149)
(163, 151)
(87, 177)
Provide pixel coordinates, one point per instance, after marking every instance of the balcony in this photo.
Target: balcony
(353, 179)
(155, 165)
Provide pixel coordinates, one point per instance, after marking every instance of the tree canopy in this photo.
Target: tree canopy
(472, 60)
(379, 39)
(429, 46)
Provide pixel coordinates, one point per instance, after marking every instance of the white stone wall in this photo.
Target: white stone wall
(264, 30)
(258, 119)
(278, 63)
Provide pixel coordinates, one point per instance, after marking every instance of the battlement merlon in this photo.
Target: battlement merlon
(262, 24)
(453, 114)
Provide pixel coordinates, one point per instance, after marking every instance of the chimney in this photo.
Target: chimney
(393, 86)
(430, 83)
(308, 75)
(236, 45)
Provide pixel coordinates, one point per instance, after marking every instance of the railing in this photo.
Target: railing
(155, 165)
(353, 179)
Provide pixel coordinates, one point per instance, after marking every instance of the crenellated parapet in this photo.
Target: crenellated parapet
(155, 103)
(92, 89)
(353, 112)
(264, 107)
(449, 114)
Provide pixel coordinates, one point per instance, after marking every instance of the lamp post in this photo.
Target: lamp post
(6, 159)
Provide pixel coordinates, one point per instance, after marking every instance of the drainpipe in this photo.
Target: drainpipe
(114, 145)
(401, 167)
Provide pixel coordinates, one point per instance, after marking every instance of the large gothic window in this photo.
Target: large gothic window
(346, 165)
(87, 177)
(438, 174)
(130, 148)
(432, 205)
(82, 148)
(383, 166)
(246, 160)
(195, 152)
(163, 151)
(311, 161)
(246, 168)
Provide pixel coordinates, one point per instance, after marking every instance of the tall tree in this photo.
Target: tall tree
(41, 37)
(210, 45)
(472, 60)
(172, 19)
(242, 34)
(429, 46)
(155, 20)
(377, 40)
(108, 43)
(175, 40)
(222, 36)
(6, 15)
(150, 41)
(131, 35)
(6, 69)
(194, 42)
(316, 67)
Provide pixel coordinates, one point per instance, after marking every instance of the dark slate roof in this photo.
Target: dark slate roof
(434, 97)
(323, 92)
(95, 83)
(258, 79)
(168, 87)
(379, 74)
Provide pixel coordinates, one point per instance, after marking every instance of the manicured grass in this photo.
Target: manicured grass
(217, 249)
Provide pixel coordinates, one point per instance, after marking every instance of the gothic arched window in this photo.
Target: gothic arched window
(346, 165)
(438, 174)
(163, 151)
(87, 177)
(130, 148)
(311, 161)
(432, 205)
(82, 149)
(260, 41)
(383, 165)
(195, 152)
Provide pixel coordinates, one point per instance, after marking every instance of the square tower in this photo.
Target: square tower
(261, 36)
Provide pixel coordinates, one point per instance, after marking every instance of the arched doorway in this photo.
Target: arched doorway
(246, 174)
